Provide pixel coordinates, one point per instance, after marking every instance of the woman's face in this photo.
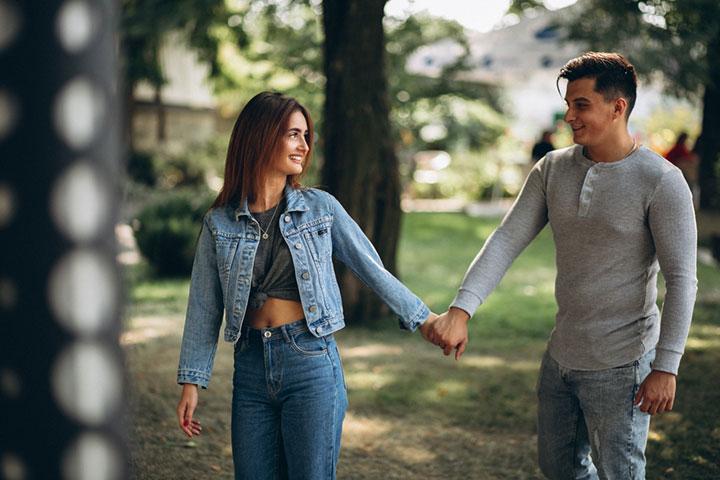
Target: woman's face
(292, 149)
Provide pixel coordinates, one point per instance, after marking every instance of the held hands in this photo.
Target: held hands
(656, 393)
(448, 331)
(186, 408)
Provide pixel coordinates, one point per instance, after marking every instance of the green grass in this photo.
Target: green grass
(414, 413)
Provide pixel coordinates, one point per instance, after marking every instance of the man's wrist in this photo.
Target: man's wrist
(459, 313)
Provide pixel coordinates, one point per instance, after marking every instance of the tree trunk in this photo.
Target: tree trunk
(708, 143)
(128, 110)
(361, 168)
(161, 131)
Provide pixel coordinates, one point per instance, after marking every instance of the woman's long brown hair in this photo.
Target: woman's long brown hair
(255, 138)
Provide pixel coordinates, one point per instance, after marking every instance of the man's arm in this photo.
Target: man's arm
(525, 219)
(671, 219)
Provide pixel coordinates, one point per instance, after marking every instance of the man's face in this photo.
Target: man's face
(589, 115)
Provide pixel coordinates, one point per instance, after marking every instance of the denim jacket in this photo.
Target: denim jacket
(316, 228)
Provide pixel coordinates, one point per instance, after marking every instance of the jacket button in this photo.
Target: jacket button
(287, 218)
(305, 275)
(312, 309)
(298, 246)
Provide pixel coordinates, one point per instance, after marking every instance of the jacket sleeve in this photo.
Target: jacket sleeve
(352, 248)
(204, 314)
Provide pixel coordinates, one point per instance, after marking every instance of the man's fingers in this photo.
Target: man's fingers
(670, 404)
(460, 349)
(640, 394)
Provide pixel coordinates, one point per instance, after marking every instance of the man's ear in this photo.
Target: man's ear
(621, 106)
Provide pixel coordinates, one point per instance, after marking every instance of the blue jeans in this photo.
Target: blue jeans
(289, 402)
(588, 427)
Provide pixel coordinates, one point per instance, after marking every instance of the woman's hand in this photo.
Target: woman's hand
(186, 408)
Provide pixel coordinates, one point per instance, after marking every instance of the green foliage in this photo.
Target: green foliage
(670, 37)
(141, 168)
(167, 230)
(467, 114)
(283, 52)
(145, 23)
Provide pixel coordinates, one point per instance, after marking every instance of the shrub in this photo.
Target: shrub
(167, 230)
(141, 168)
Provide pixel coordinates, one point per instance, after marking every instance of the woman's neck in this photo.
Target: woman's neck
(269, 195)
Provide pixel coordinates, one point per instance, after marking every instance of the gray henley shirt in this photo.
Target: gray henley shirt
(615, 225)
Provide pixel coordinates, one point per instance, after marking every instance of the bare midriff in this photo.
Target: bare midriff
(275, 312)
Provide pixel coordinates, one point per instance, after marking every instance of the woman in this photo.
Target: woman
(264, 259)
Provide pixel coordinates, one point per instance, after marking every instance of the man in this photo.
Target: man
(542, 147)
(619, 213)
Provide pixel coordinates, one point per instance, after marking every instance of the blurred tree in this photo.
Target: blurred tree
(679, 39)
(361, 167)
(463, 112)
(145, 24)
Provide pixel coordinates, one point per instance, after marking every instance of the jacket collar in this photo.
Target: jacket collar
(294, 199)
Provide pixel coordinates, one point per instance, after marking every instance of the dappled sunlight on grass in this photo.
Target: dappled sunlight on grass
(443, 388)
(694, 343)
(365, 351)
(360, 429)
(140, 329)
(484, 361)
(374, 380)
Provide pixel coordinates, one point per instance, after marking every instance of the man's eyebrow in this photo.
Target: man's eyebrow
(578, 99)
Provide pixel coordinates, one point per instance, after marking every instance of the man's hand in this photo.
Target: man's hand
(656, 393)
(448, 331)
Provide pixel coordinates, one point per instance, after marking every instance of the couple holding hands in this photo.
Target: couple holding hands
(619, 214)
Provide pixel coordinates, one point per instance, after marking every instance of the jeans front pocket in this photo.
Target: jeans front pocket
(307, 344)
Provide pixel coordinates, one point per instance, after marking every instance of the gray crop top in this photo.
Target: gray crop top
(273, 271)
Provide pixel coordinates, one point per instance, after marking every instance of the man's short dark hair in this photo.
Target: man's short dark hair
(614, 76)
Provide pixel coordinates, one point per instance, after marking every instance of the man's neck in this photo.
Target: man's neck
(611, 150)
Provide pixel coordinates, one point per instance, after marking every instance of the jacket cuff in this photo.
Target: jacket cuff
(466, 300)
(667, 361)
(417, 319)
(197, 377)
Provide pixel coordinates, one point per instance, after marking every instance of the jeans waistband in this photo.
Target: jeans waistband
(275, 333)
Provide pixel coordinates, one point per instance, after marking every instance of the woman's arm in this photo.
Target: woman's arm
(204, 314)
(352, 248)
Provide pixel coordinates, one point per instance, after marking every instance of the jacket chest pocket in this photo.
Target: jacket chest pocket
(319, 242)
(225, 249)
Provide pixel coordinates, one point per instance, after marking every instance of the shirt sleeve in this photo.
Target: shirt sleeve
(671, 218)
(525, 219)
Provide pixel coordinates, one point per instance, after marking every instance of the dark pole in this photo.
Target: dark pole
(61, 367)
